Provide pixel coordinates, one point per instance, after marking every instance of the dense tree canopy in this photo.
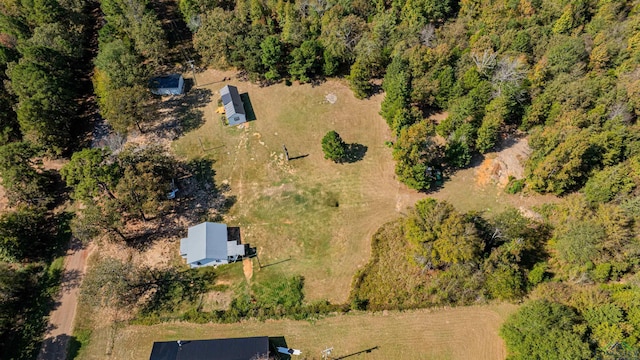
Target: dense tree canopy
(23, 177)
(558, 70)
(133, 184)
(543, 330)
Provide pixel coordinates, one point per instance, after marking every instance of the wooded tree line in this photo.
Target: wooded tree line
(577, 265)
(564, 71)
(42, 45)
(42, 48)
(304, 40)
(132, 47)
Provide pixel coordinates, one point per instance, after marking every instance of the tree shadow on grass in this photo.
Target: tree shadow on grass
(73, 348)
(248, 107)
(365, 351)
(180, 114)
(192, 119)
(55, 347)
(198, 199)
(355, 152)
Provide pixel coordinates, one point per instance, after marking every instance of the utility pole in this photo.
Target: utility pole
(193, 69)
(286, 152)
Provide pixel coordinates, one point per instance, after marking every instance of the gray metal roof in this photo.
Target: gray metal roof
(231, 101)
(218, 349)
(205, 241)
(165, 82)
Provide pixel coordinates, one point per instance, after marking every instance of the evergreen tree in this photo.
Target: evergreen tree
(333, 147)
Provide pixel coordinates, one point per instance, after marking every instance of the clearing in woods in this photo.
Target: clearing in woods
(315, 218)
(310, 216)
(452, 333)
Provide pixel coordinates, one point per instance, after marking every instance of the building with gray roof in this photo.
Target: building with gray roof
(208, 244)
(249, 348)
(233, 106)
(167, 85)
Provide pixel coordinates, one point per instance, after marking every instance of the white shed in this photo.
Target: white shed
(167, 85)
(233, 106)
(207, 244)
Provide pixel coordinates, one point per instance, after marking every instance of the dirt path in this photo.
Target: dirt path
(56, 340)
(247, 268)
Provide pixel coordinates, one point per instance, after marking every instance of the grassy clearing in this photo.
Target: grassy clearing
(452, 333)
(314, 218)
(308, 216)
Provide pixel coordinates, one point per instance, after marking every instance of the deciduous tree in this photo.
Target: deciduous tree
(418, 156)
(544, 330)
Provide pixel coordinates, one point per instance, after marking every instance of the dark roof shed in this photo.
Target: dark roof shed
(216, 349)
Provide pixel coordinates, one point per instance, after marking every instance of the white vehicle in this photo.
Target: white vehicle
(289, 351)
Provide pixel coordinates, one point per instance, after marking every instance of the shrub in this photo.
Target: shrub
(515, 185)
(538, 274)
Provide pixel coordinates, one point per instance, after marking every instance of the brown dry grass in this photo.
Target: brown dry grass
(449, 333)
(283, 207)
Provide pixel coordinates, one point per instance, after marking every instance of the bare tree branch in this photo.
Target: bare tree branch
(485, 62)
(428, 35)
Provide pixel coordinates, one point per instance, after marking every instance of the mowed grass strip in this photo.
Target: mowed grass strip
(308, 216)
(451, 333)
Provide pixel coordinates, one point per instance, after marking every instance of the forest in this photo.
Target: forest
(564, 73)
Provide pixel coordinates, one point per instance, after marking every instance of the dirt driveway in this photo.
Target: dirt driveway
(60, 328)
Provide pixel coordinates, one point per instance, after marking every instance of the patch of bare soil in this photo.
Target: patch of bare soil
(247, 268)
(439, 117)
(4, 202)
(54, 164)
(159, 254)
(509, 161)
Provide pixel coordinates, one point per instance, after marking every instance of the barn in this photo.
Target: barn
(233, 106)
(167, 85)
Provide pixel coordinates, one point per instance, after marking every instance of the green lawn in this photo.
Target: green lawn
(308, 216)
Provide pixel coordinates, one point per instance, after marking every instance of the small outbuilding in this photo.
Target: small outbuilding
(233, 106)
(208, 244)
(167, 85)
(248, 348)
